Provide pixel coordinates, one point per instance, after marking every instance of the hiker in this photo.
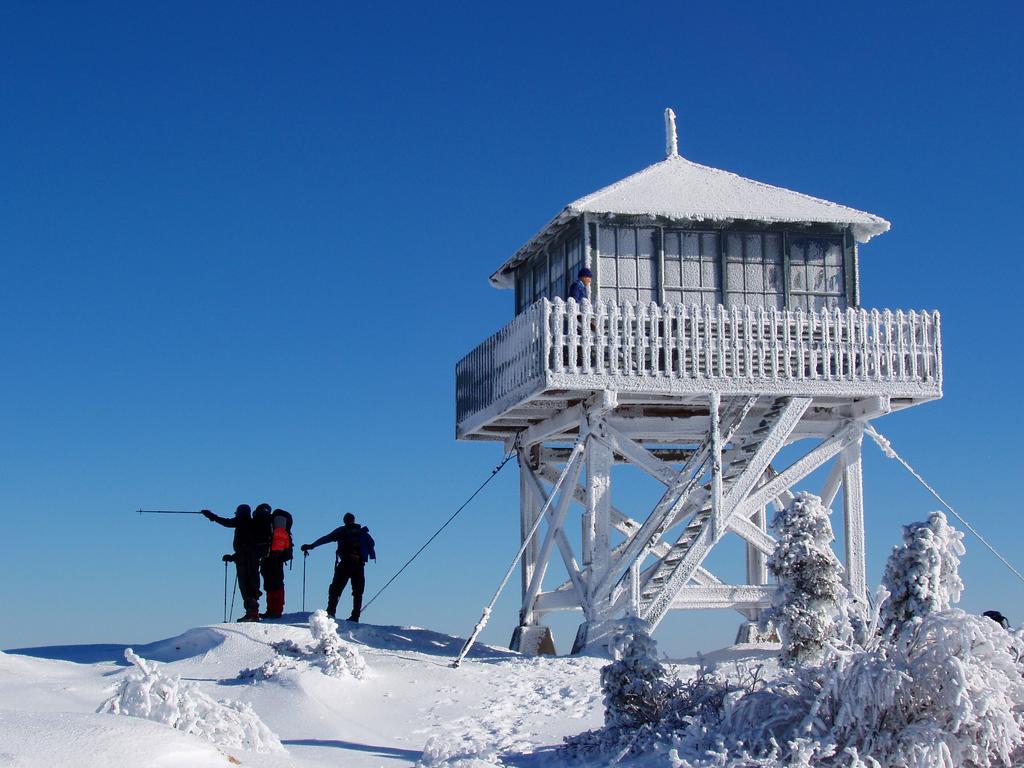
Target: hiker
(579, 290)
(272, 567)
(355, 547)
(248, 551)
(998, 618)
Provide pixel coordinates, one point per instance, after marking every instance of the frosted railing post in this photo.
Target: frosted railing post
(901, 347)
(914, 346)
(827, 347)
(801, 344)
(774, 316)
(656, 338)
(938, 347)
(615, 342)
(787, 345)
(737, 341)
(558, 327)
(761, 343)
(587, 334)
(876, 343)
(641, 338)
(861, 318)
(748, 341)
(706, 330)
(572, 313)
(546, 362)
(669, 339)
(695, 341)
(720, 333)
(600, 340)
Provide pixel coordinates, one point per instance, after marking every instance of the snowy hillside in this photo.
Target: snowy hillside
(408, 700)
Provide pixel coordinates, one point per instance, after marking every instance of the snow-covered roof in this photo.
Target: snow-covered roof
(679, 189)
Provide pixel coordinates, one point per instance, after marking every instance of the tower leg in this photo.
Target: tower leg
(528, 511)
(853, 514)
(594, 633)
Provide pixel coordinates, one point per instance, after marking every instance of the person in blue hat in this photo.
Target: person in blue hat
(579, 290)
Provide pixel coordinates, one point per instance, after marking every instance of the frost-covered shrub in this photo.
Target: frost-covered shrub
(269, 669)
(942, 688)
(922, 574)
(147, 693)
(334, 656)
(635, 685)
(810, 594)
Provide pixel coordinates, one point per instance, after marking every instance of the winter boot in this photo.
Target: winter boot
(275, 604)
(353, 618)
(250, 617)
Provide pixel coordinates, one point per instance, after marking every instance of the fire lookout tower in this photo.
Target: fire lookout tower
(724, 323)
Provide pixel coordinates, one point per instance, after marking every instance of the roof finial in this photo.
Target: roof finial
(671, 142)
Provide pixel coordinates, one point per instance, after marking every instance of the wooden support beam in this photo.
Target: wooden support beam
(833, 483)
(756, 537)
(796, 472)
(757, 558)
(563, 421)
(640, 456)
(528, 511)
(716, 463)
(599, 481)
(724, 596)
(564, 548)
(853, 515)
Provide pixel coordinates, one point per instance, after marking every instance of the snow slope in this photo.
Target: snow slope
(409, 699)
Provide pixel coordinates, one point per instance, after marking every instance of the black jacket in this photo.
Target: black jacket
(352, 539)
(249, 536)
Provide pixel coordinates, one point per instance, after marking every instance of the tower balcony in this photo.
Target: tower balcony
(662, 360)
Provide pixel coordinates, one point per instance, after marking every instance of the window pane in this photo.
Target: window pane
(709, 244)
(753, 247)
(606, 241)
(690, 244)
(709, 274)
(734, 276)
(691, 273)
(673, 273)
(673, 296)
(797, 277)
(816, 276)
(834, 253)
(754, 273)
(627, 272)
(733, 246)
(609, 276)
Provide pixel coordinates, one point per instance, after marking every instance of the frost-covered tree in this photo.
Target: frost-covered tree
(148, 693)
(922, 574)
(808, 601)
(335, 657)
(636, 686)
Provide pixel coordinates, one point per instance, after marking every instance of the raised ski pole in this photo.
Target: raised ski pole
(305, 556)
(570, 465)
(225, 591)
(168, 512)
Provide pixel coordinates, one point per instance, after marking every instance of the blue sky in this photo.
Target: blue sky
(244, 245)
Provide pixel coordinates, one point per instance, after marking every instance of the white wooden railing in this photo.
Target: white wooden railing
(561, 341)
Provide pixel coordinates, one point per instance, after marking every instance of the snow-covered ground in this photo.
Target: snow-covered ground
(410, 705)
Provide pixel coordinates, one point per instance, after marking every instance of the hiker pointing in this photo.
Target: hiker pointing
(355, 547)
(250, 544)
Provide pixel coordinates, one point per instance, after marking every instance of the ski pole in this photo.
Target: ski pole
(305, 556)
(225, 591)
(233, 591)
(168, 512)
